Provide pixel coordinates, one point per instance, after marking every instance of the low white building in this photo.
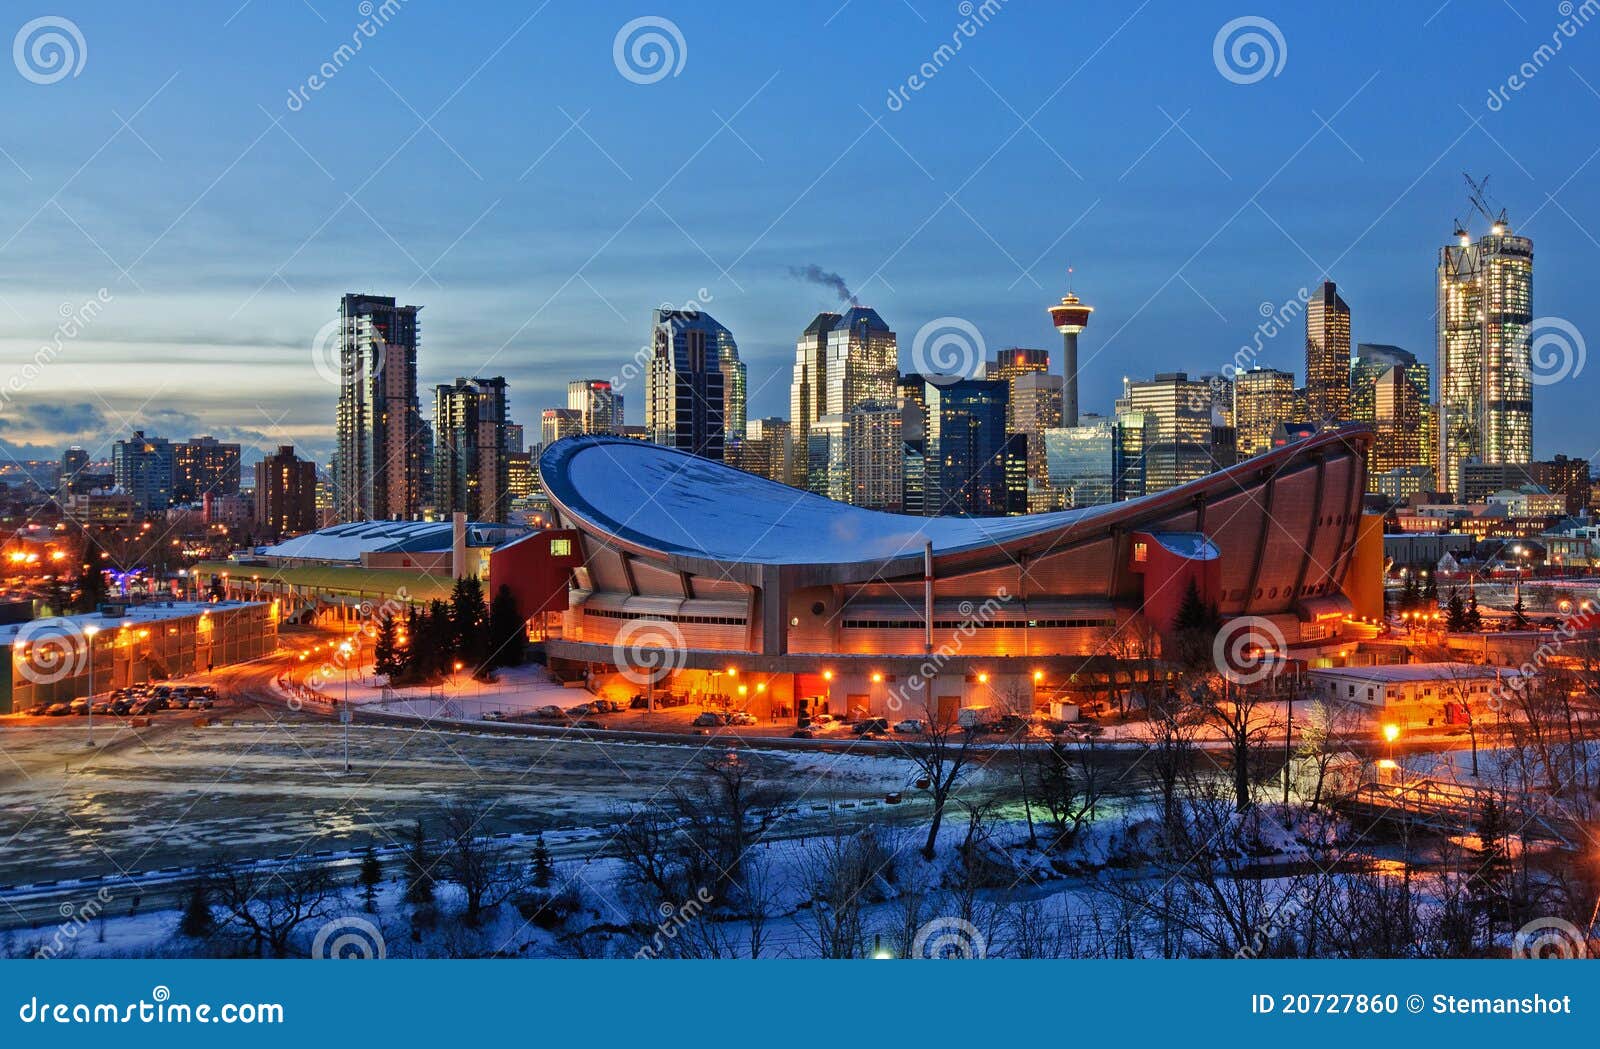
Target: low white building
(1412, 694)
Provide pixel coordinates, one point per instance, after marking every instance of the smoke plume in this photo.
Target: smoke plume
(817, 275)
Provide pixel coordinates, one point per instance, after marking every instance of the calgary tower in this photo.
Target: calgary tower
(1070, 317)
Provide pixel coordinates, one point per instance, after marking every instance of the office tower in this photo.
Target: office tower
(520, 480)
(557, 423)
(875, 445)
(1180, 449)
(1397, 424)
(1568, 478)
(1086, 461)
(1485, 391)
(1327, 355)
(1010, 365)
(377, 468)
(1138, 431)
(684, 396)
(204, 466)
(808, 392)
(1034, 406)
(733, 387)
(1372, 360)
(765, 450)
(1224, 446)
(514, 438)
(1262, 398)
(471, 472)
(598, 405)
(1070, 316)
(142, 467)
(968, 449)
(863, 362)
(286, 494)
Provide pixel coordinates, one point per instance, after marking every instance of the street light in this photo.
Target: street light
(344, 711)
(88, 633)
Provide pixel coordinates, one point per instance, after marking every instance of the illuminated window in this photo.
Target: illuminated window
(1141, 552)
(561, 548)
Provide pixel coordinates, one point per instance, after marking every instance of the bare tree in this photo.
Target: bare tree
(269, 906)
(940, 757)
(483, 867)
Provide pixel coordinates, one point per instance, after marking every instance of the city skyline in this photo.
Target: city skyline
(1175, 250)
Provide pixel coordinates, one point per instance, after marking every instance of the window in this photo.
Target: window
(561, 548)
(1141, 553)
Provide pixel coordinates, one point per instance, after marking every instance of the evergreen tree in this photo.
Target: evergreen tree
(197, 922)
(468, 623)
(1195, 626)
(385, 651)
(1474, 619)
(438, 641)
(91, 587)
(507, 633)
(1430, 589)
(1519, 614)
(419, 869)
(1410, 594)
(543, 868)
(369, 878)
(1455, 613)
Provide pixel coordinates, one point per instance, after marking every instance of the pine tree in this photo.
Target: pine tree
(419, 869)
(385, 651)
(468, 623)
(543, 868)
(1455, 613)
(1410, 594)
(91, 587)
(197, 922)
(507, 632)
(1519, 614)
(369, 878)
(1474, 619)
(1195, 625)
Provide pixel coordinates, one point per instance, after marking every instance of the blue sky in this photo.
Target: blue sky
(491, 163)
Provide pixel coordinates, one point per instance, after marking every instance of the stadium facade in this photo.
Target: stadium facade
(690, 576)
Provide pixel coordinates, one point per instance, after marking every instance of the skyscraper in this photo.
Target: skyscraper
(598, 404)
(1262, 398)
(1373, 362)
(876, 449)
(1179, 448)
(286, 494)
(377, 467)
(1086, 461)
(556, 423)
(1034, 406)
(1327, 355)
(968, 451)
(733, 387)
(808, 392)
(1397, 422)
(863, 361)
(1485, 389)
(471, 469)
(684, 396)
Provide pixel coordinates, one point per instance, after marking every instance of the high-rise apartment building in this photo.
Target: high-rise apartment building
(1485, 307)
(286, 494)
(142, 467)
(1262, 398)
(556, 423)
(684, 395)
(377, 467)
(204, 466)
(471, 468)
(1327, 355)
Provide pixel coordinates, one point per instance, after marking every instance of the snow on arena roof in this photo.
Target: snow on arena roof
(667, 500)
(347, 542)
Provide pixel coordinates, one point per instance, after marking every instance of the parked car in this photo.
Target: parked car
(866, 725)
(741, 717)
(587, 723)
(37, 710)
(581, 710)
(101, 706)
(79, 706)
(57, 710)
(909, 727)
(494, 715)
(549, 711)
(707, 719)
(802, 733)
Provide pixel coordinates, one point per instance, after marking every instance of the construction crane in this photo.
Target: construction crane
(1480, 200)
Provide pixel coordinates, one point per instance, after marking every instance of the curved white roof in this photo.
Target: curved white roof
(667, 500)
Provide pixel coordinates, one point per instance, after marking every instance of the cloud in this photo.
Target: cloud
(55, 419)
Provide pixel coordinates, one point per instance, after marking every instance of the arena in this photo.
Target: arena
(688, 577)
